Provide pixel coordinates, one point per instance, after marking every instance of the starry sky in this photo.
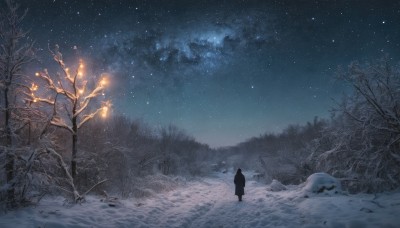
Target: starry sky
(224, 71)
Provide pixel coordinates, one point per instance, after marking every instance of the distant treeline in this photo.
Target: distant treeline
(360, 143)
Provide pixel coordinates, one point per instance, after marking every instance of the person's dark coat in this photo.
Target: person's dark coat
(240, 182)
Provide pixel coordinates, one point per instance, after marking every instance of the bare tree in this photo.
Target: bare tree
(170, 136)
(14, 55)
(72, 99)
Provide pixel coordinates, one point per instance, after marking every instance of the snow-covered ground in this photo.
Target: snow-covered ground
(210, 202)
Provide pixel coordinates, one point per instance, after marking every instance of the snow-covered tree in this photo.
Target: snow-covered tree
(365, 132)
(15, 53)
(72, 99)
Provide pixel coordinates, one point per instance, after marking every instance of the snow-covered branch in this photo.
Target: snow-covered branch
(77, 196)
(86, 100)
(59, 122)
(89, 117)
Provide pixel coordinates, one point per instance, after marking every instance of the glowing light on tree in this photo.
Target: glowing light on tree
(103, 82)
(105, 109)
(34, 87)
(74, 111)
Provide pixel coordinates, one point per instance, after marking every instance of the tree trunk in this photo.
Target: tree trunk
(9, 156)
(74, 148)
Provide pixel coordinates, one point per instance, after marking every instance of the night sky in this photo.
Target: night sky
(224, 71)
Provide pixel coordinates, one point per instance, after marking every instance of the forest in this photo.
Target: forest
(60, 137)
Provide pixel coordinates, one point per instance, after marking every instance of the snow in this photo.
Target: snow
(276, 186)
(210, 202)
(322, 183)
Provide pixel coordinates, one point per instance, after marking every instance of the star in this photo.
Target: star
(192, 62)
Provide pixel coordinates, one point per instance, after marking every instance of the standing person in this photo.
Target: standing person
(240, 182)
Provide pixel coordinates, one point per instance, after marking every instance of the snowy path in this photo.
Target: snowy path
(211, 203)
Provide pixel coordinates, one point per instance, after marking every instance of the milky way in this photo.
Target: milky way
(224, 71)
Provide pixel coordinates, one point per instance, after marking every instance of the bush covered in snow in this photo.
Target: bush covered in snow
(322, 183)
(276, 186)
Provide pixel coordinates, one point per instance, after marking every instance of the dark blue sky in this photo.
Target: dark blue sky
(222, 70)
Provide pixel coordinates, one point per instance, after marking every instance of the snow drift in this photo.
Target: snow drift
(322, 183)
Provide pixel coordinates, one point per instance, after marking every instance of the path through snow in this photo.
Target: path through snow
(211, 203)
